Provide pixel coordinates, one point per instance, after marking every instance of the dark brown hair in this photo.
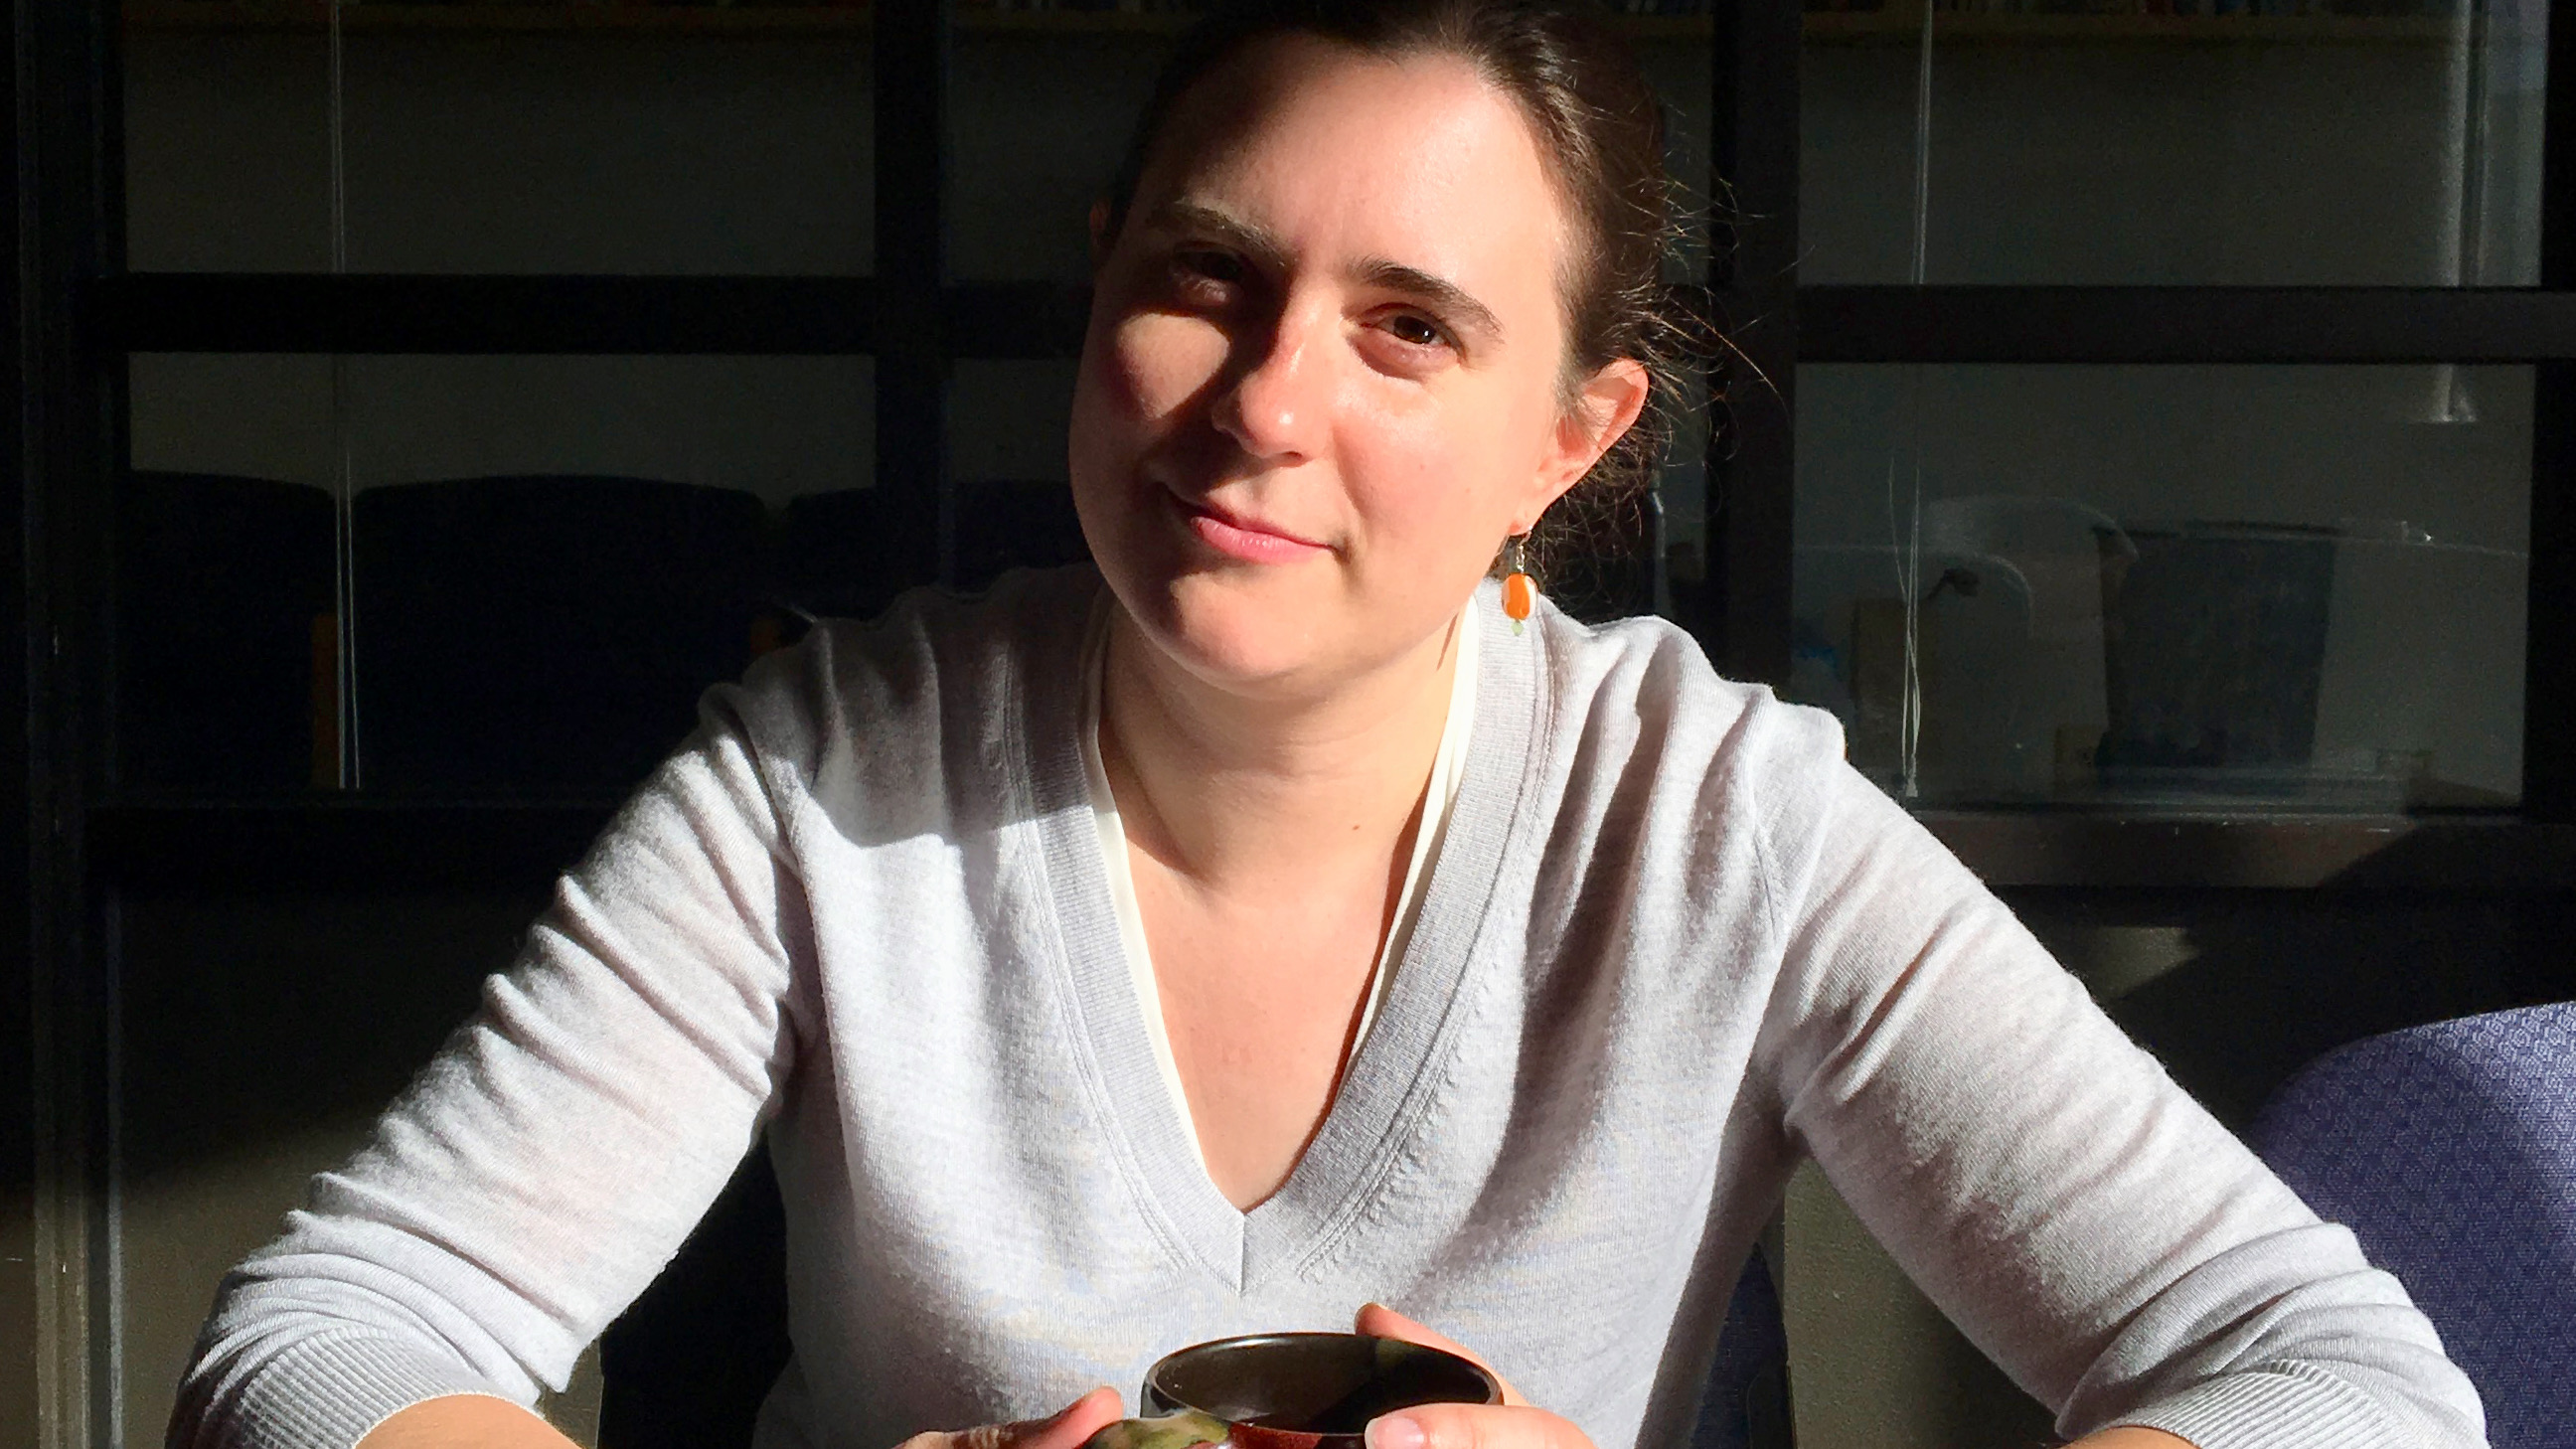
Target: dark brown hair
(1601, 130)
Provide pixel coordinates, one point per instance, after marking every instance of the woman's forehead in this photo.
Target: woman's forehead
(1417, 158)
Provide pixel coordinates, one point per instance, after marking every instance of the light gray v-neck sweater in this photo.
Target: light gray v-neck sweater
(1670, 943)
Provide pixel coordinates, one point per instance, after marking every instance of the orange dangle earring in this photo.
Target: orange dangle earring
(1520, 595)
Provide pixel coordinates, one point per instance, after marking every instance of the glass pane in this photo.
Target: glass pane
(1676, 53)
(227, 142)
(581, 541)
(2175, 586)
(1681, 583)
(541, 563)
(226, 580)
(1006, 460)
(1651, 555)
(2182, 142)
(1042, 103)
(1612, 556)
(1045, 100)
(547, 137)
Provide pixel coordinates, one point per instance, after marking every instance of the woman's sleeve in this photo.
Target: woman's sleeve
(549, 1161)
(2084, 1221)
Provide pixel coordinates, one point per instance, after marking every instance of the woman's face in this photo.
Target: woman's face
(1324, 374)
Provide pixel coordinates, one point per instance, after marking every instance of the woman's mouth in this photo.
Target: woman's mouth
(1247, 539)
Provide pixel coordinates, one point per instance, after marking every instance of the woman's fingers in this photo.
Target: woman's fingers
(1385, 1322)
(1512, 1424)
(1066, 1428)
(1474, 1426)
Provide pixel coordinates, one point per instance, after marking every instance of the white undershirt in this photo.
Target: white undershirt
(1448, 767)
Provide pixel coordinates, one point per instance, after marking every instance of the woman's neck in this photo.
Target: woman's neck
(1253, 794)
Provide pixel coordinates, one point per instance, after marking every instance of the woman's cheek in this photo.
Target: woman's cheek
(1418, 478)
(1164, 360)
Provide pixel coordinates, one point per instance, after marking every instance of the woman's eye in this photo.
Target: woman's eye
(1420, 331)
(1208, 266)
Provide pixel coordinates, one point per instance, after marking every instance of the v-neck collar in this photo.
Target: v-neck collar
(1389, 1081)
(1440, 796)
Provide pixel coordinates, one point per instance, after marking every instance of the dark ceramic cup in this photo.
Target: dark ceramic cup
(1291, 1391)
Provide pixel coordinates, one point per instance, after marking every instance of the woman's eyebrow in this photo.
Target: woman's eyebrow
(1265, 249)
(1445, 296)
(1271, 254)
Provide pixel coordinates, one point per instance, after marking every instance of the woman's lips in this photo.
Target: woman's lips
(1242, 538)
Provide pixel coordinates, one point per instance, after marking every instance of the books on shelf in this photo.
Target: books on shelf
(1129, 7)
(2417, 11)
(2409, 9)
(2412, 9)
(1191, 7)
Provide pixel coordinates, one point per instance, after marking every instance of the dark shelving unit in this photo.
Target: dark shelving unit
(338, 844)
(916, 321)
(81, 839)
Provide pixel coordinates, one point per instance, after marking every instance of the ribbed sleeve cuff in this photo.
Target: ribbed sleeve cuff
(328, 1391)
(2275, 1406)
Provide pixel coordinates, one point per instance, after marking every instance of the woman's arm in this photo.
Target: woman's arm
(546, 1164)
(2080, 1217)
(1517, 1424)
(478, 1421)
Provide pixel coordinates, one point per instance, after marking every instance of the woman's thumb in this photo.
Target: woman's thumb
(1385, 1322)
(1068, 1427)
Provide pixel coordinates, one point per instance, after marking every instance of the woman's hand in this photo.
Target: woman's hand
(1513, 1424)
(464, 1421)
(1067, 1428)
(473, 1421)
(1518, 1426)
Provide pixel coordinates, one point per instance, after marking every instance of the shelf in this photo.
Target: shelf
(1856, 27)
(367, 17)
(419, 313)
(1904, 27)
(2197, 326)
(977, 20)
(362, 17)
(339, 845)
(1073, 22)
(2492, 855)
(828, 316)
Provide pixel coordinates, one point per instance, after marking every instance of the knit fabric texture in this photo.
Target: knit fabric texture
(2450, 1150)
(1670, 944)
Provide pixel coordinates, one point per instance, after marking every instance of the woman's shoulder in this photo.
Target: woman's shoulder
(1644, 684)
(928, 632)
(1689, 764)
(981, 628)
(906, 681)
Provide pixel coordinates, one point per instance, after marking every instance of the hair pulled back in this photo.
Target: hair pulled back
(1601, 133)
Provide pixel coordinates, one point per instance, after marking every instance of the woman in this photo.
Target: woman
(1282, 928)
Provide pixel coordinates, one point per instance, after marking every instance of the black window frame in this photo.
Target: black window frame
(78, 314)
(917, 321)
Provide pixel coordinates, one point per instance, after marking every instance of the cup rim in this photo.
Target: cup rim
(1155, 1388)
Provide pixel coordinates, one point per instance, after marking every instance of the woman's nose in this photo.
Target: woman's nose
(1276, 406)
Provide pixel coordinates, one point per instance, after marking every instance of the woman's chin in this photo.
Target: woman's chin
(1230, 631)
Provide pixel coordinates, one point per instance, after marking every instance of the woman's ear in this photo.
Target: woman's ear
(1604, 410)
(1100, 238)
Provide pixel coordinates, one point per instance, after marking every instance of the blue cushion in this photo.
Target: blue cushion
(2450, 1151)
